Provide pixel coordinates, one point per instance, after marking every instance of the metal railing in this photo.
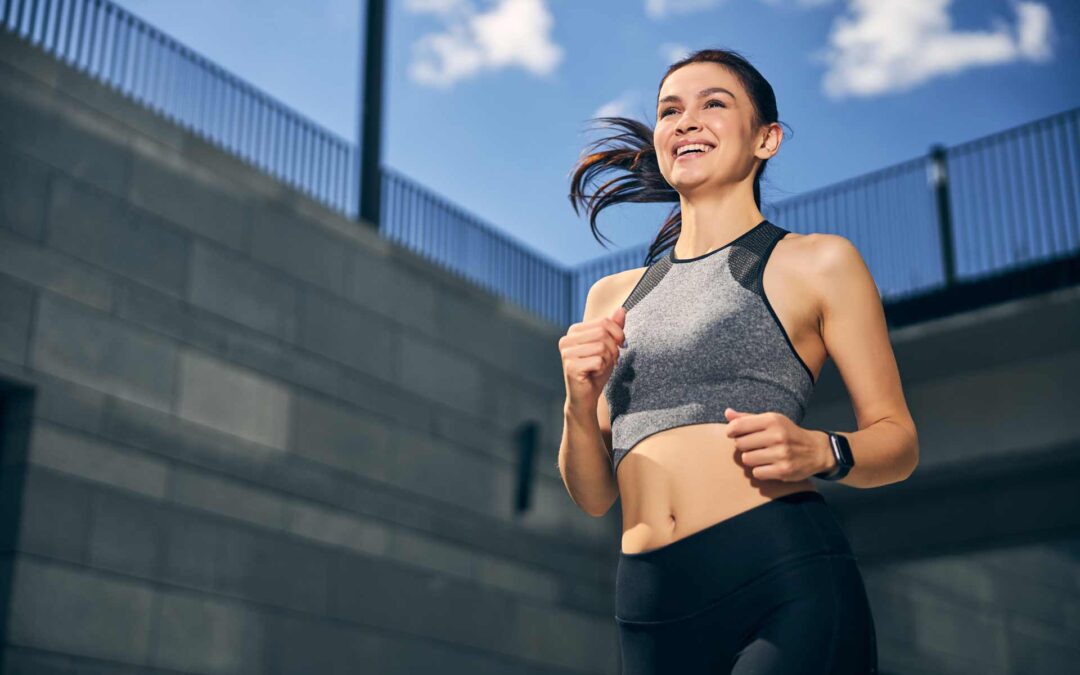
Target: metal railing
(977, 208)
(124, 52)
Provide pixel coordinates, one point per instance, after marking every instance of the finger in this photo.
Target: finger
(587, 349)
(760, 457)
(586, 335)
(619, 315)
(603, 331)
(590, 364)
(615, 331)
(757, 440)
(767, 472)
(747, 423)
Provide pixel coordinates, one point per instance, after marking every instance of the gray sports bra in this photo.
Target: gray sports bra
(702, 336)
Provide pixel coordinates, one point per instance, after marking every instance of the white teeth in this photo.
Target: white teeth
(693, 146)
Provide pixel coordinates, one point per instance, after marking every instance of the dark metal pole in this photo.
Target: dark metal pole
(370, 132)
(939, 179)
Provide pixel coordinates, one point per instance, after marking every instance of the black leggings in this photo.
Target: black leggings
(774, 589)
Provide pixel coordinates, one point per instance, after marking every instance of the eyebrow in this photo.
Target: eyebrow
(703, 92)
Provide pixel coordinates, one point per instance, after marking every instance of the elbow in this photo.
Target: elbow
(605, 505)
(599, 512)
(913, 454)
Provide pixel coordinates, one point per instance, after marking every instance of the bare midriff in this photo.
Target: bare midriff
(682, 480)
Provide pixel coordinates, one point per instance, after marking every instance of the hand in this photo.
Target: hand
(590, 350)
(776, 448)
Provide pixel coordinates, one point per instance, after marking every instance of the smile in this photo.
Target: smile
(692, 155)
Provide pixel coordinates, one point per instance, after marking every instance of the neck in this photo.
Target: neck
(711, 220)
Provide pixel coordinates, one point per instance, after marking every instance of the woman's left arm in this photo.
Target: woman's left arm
(886, 445)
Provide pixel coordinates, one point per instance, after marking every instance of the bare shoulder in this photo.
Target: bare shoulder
(817, 261)
(815, 254)
(610, 291)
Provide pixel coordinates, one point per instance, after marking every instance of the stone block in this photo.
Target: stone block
(443, 472)
(378, 283)
(85, 457)
(297, 643)
(79, 612)
(299, 247)
(207, 553)
(356, 337)
(198, 633)
(101, 229)
(16, 309)
(23, 187)
(338, 528)
(55, 516)
(341, 436)
(43, 268)
(177, 191)
(127, 533)
(1035, 647)
(63, 132)
(232, 400)
(289, 573)
(476, 329)
(67, 403)
(227, 497)
(442, 375)
(93, 349)
(236, 289)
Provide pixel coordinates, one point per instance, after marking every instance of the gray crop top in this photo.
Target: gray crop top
(702, 336)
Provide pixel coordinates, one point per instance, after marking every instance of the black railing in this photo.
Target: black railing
(136, 59)
(979, 208)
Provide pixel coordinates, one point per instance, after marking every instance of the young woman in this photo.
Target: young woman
(686, 381)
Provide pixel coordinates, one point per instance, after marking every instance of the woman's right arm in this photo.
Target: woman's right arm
(589, 351)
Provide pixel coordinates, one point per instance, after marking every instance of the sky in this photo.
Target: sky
(488, 103)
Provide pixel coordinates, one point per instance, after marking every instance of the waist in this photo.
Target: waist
(682, 479)
(704, 567)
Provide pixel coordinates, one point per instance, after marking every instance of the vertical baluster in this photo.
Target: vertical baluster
(31, 29)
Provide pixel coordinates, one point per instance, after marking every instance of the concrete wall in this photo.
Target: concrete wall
(243, 435)
(258, 437)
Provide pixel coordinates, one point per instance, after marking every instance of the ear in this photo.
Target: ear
(771, 136)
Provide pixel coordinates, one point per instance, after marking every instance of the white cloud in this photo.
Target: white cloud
(658, 9)
(672, 52)
(619, 107)
(507, 33)
(894, 45)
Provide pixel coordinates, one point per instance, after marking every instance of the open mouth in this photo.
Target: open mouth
(694, 151)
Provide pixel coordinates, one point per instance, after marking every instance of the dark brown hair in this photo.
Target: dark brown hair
(636, 155)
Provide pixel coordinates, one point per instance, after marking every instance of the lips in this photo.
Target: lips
(691, 155)
(690, 141)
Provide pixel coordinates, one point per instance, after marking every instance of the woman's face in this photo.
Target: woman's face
(710, 106)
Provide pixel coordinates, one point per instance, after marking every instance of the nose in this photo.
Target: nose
(686, 124)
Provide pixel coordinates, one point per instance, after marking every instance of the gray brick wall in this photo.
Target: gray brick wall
(262, 439)
(1006, 610)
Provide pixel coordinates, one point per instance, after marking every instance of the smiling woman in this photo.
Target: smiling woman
(687, 380)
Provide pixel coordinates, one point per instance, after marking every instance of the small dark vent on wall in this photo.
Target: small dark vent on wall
(16, 406)
(527, 437)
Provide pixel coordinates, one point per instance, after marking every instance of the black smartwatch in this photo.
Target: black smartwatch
(841, 450)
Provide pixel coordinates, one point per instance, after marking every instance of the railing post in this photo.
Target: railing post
(939, 181)
(371, 90)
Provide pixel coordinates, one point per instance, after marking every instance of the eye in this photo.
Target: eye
(665, 111)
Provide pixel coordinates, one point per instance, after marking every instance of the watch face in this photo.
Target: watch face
(845, 450)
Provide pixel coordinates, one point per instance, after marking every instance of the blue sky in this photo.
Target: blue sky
(488, 101)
